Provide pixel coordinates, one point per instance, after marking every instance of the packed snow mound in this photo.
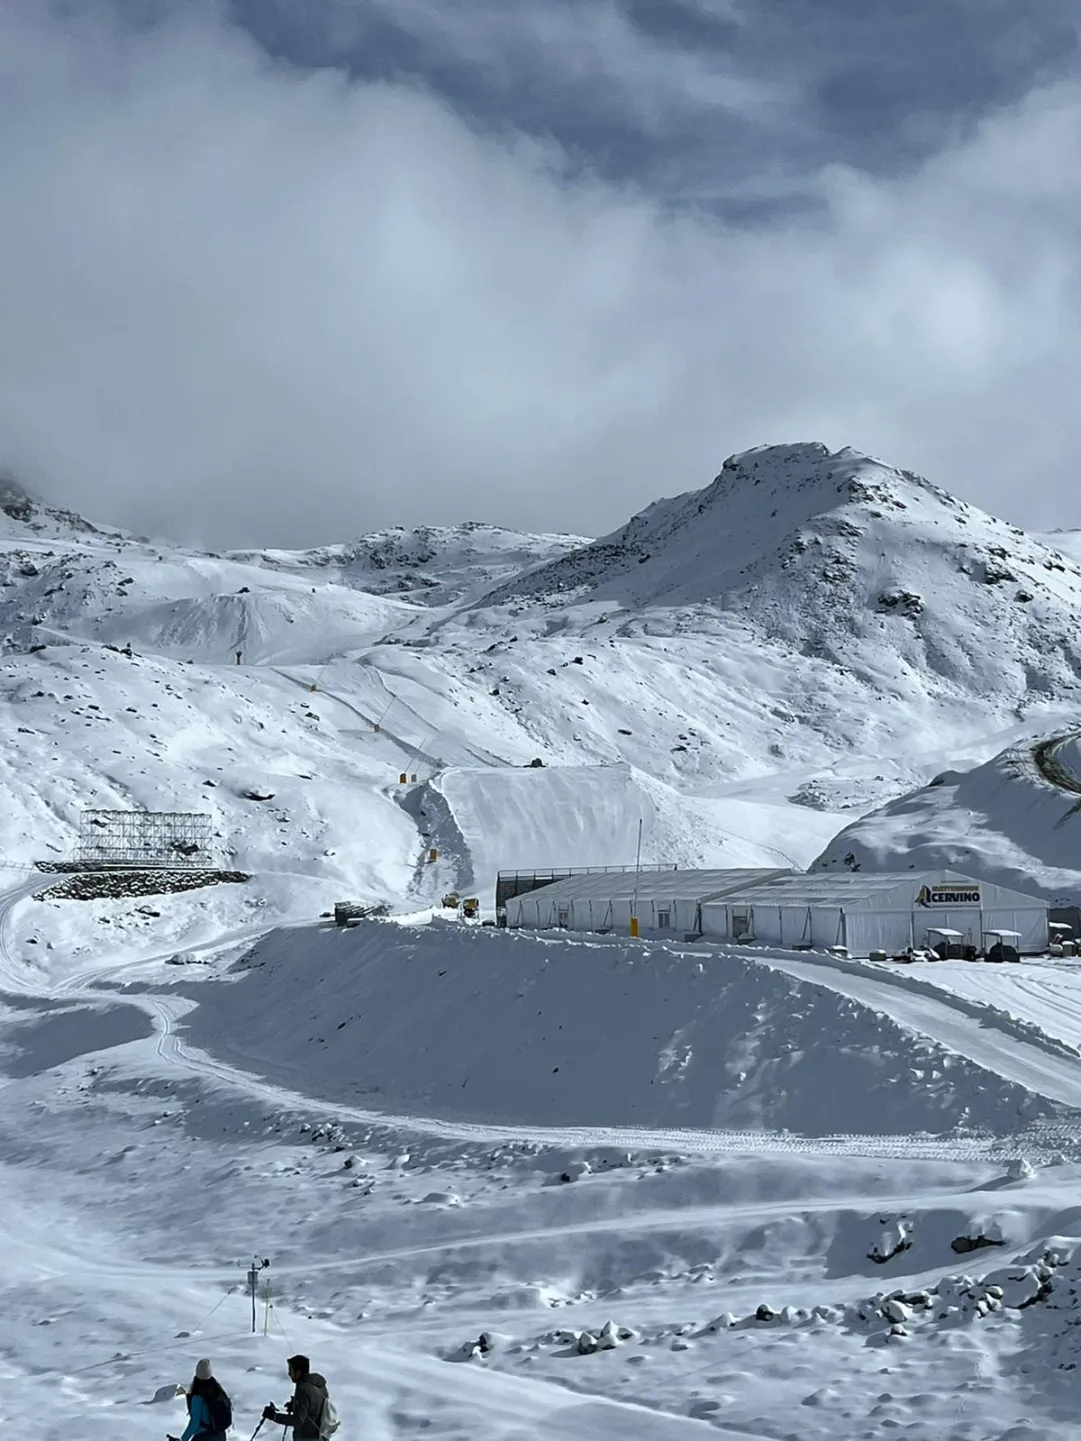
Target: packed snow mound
(568, 816)
(435, 565)
(448, 1020)
(1015, 821)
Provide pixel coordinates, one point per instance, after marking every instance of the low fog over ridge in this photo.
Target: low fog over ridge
(252, 303)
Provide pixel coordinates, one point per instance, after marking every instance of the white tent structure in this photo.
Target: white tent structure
(866, 913)
(669, 902)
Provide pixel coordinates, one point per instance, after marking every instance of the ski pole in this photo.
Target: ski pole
(258, 1428)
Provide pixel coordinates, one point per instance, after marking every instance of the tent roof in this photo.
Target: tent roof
(688, 885)
(847, 888)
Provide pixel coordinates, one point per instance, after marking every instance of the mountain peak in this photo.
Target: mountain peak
(15, 501)
(30, 511)
(765, 507)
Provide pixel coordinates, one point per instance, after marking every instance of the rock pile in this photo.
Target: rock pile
(116, 885)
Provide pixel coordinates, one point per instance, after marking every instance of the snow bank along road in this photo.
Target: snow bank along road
(1046, 994)
(1054, 1076)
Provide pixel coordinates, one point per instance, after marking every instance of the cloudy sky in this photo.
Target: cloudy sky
(281, 271)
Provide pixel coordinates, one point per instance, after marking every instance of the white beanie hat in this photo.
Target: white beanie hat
(203, 1371)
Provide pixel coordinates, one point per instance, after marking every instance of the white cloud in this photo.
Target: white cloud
(249, 304)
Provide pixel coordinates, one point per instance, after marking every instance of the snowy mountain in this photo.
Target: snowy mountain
(847, 561)
(1014, 820)
(812, 634)
(813, 614)
(23, 515)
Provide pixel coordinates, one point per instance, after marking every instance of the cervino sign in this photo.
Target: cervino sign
(948, 896)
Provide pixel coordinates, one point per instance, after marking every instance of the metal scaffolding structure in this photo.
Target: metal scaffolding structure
(144, 840)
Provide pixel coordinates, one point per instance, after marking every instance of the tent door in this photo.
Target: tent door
(742, 923)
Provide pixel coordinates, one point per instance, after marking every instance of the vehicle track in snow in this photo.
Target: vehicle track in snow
(1045, 1072)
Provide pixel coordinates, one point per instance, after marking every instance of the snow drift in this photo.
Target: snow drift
(447, 1021)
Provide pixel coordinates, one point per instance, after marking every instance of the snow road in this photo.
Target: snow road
(1047, 994)
(1055, 1077)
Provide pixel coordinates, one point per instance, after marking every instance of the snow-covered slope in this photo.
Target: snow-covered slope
(812, 633)
(849, 563)
(24, 516)
(1065, 542)
(433, 565)
(1015, 820)
(499, 818)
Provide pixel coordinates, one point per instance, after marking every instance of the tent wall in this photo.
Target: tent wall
(666, 916)
(714, 919)
(889, 918)
(868, 931)
(1029, 921)
(966, 919)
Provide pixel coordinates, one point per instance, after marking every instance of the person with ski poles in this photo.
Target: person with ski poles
(210, 1412)
(310, 1413)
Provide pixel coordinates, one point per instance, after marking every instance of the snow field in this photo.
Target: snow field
(662, 1246)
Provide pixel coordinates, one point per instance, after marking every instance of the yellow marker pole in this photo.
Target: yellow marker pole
(637, 877)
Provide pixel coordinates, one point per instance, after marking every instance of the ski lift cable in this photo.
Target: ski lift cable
(231, 1292)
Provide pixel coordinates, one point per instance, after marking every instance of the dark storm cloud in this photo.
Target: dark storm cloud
(536, 264)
